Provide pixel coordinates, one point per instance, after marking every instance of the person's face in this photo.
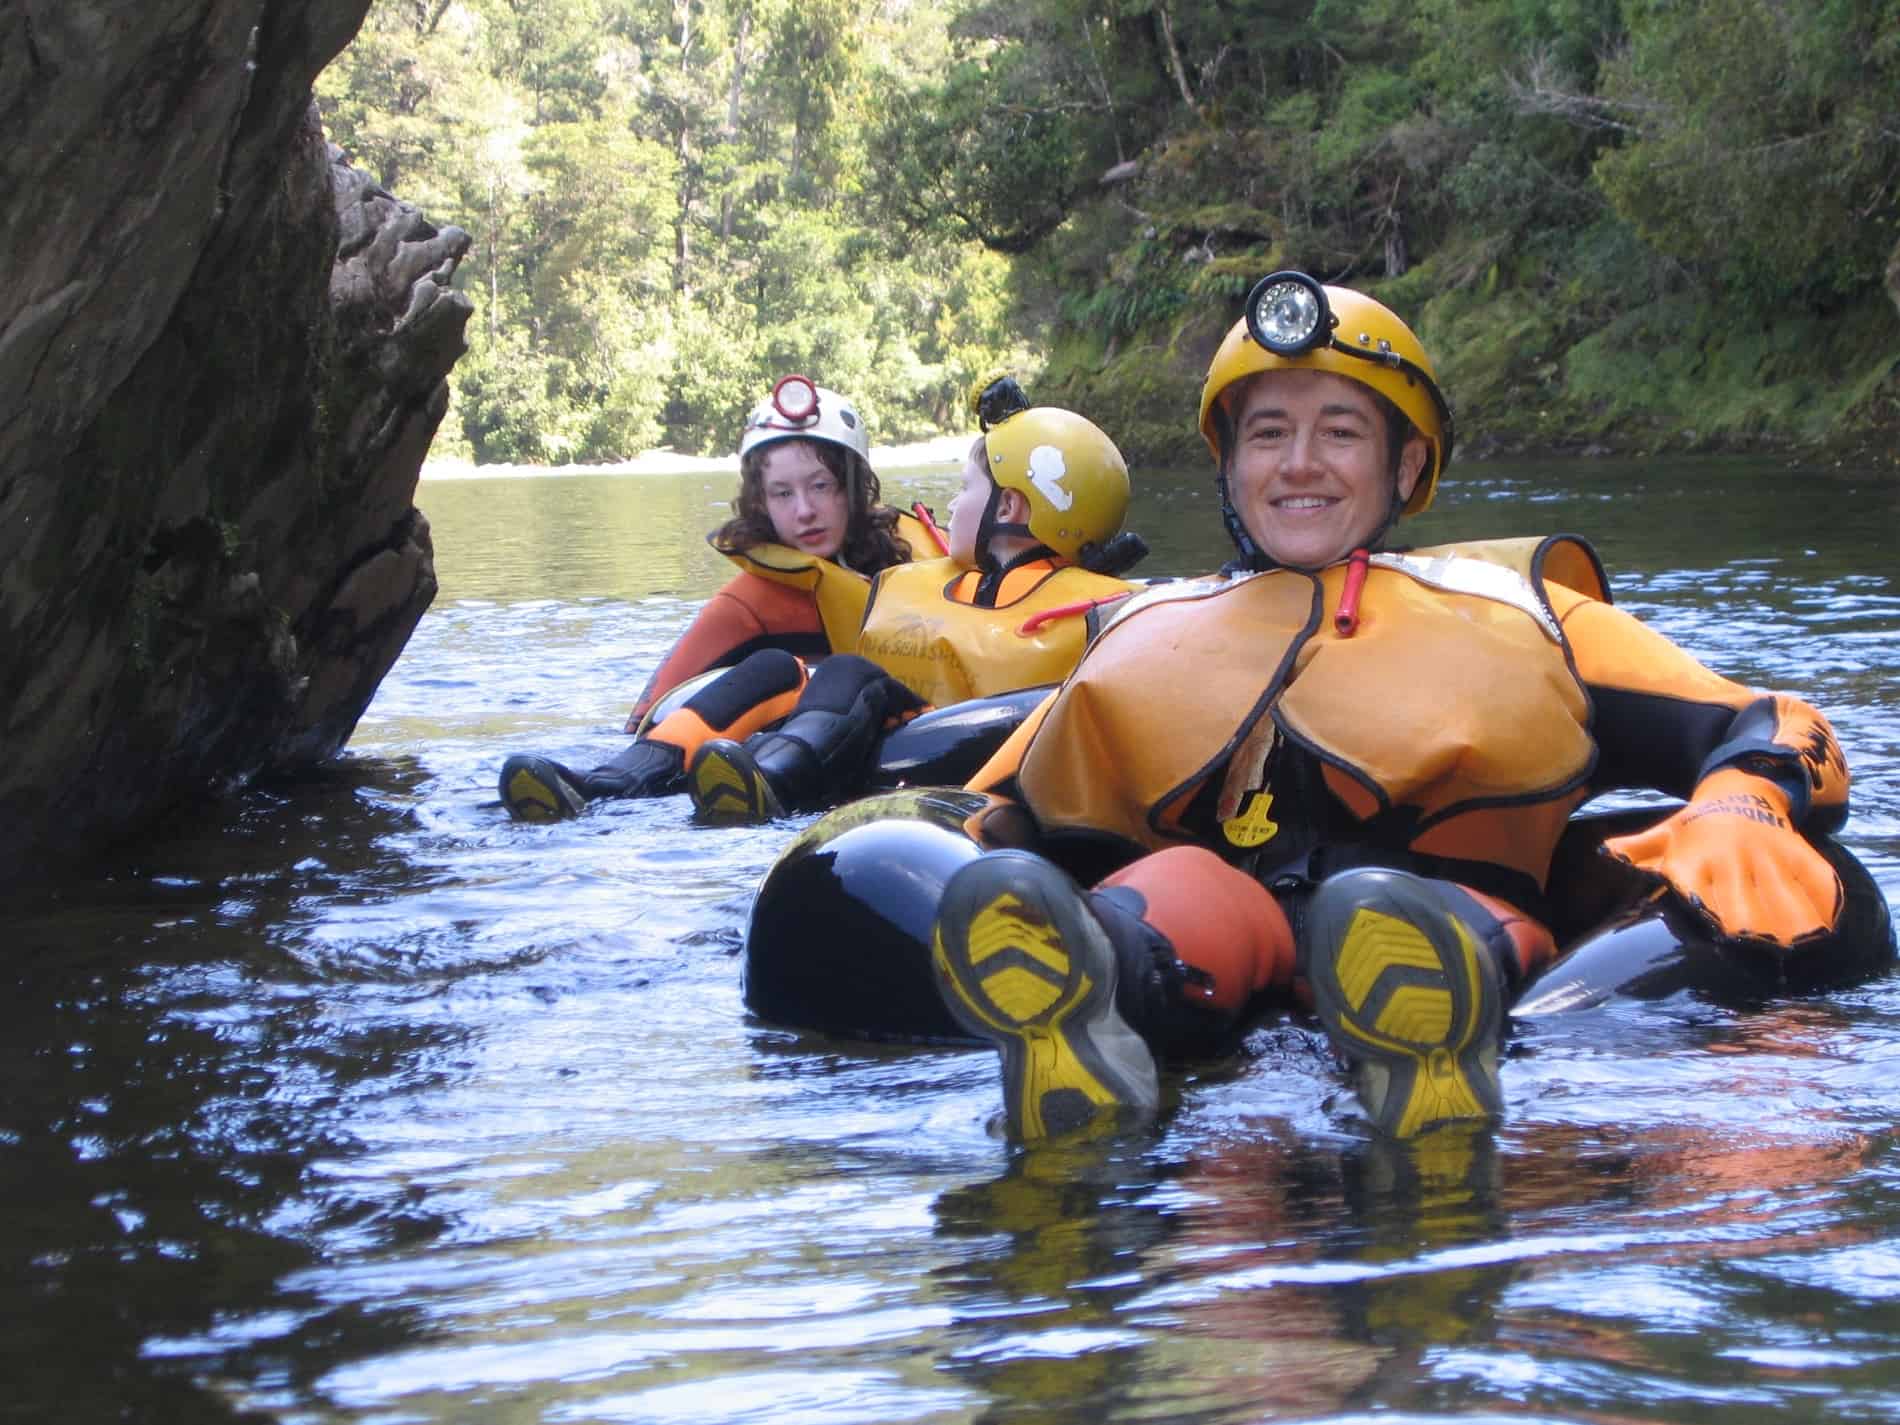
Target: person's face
(966, 509)
(807, 504)
(1311, 477)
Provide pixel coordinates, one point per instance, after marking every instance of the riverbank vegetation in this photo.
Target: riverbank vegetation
(1623, 224)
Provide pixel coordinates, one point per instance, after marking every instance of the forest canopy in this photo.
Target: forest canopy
(1666, 221)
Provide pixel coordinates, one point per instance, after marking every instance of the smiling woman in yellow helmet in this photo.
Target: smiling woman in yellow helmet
(1300, 490)
(1339, 772)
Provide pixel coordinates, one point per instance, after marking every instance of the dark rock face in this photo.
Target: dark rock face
(224, 354)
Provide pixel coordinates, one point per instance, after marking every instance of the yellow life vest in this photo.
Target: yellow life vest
(1453, 697)
(922, 629)
(841, 594)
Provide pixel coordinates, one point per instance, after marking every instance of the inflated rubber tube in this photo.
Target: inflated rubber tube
(676, 698)
(943, 747)
(839, 935)
(946, 746)
(1625, 938)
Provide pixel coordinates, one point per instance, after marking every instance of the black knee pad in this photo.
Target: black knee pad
(1151, 984)
(769, 673)
(847, 684)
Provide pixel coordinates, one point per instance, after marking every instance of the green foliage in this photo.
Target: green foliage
(673, 202)
(1003, 174)
(1771, 161)
(1685, 366)
(1622, 219)
(506, 410)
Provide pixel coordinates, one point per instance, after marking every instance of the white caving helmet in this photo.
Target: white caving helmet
(799, 409)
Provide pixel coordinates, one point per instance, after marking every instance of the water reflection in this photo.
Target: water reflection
(370, 1105)
(168, 1079)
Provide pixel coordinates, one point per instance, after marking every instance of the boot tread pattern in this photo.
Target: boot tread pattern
(1412, 1000)
(1021, 966)
(533, 789)
(727, 788)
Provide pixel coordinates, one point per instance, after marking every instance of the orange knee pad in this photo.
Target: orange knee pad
(1220, 921)
(760, 692)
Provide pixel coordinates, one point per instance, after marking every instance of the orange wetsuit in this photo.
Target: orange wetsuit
(782, 599)
(1249, 738)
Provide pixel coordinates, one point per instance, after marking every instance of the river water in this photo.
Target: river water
(360, 1103)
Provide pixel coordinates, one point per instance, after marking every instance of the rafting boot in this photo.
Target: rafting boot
(1410, 994)
(539, 789)
(728, 788)
(1023, 961)
(815, 756)
(646, 768)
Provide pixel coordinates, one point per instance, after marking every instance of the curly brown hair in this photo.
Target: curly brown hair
(871, 541)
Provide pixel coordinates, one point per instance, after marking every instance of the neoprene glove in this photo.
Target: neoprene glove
(1732, 852)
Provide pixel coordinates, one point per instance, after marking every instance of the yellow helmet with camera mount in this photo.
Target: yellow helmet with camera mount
(1064, 464)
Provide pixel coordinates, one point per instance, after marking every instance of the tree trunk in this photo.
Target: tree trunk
(1101, 84)
(682, 229)
(1173, 53)
(731, 132)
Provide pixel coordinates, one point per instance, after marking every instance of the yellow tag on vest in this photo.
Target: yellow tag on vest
(1251, 826)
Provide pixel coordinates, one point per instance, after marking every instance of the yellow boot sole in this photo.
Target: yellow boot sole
(533, 789)
(727, 789)
(1410, 998)
(1022, 962)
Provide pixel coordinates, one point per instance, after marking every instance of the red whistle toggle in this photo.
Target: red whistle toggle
(1346, 617)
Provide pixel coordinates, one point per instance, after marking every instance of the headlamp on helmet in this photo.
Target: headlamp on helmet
(997, 401)
(796, 398)
(800, 409)
(1288, 314)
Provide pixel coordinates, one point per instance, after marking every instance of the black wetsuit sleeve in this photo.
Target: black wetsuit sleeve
(1663, 721)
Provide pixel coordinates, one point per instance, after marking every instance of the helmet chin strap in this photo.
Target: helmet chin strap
(1392, 515)
(1250, 554)
(989, 527)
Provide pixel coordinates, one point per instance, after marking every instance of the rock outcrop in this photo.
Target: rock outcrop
(224, 354)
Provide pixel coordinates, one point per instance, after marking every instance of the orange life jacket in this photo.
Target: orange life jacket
(841, 594)
(1453, 697)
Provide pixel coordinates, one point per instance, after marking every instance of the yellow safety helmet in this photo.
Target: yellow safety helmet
(1073, 476)
(1295, 323)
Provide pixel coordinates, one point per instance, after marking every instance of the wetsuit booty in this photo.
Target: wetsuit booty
(1155, 990)
(539, 789)
(823, 752)
(644, 769)
(727, 786)
(1022, 961)
(826, 750)
(1409, 994)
